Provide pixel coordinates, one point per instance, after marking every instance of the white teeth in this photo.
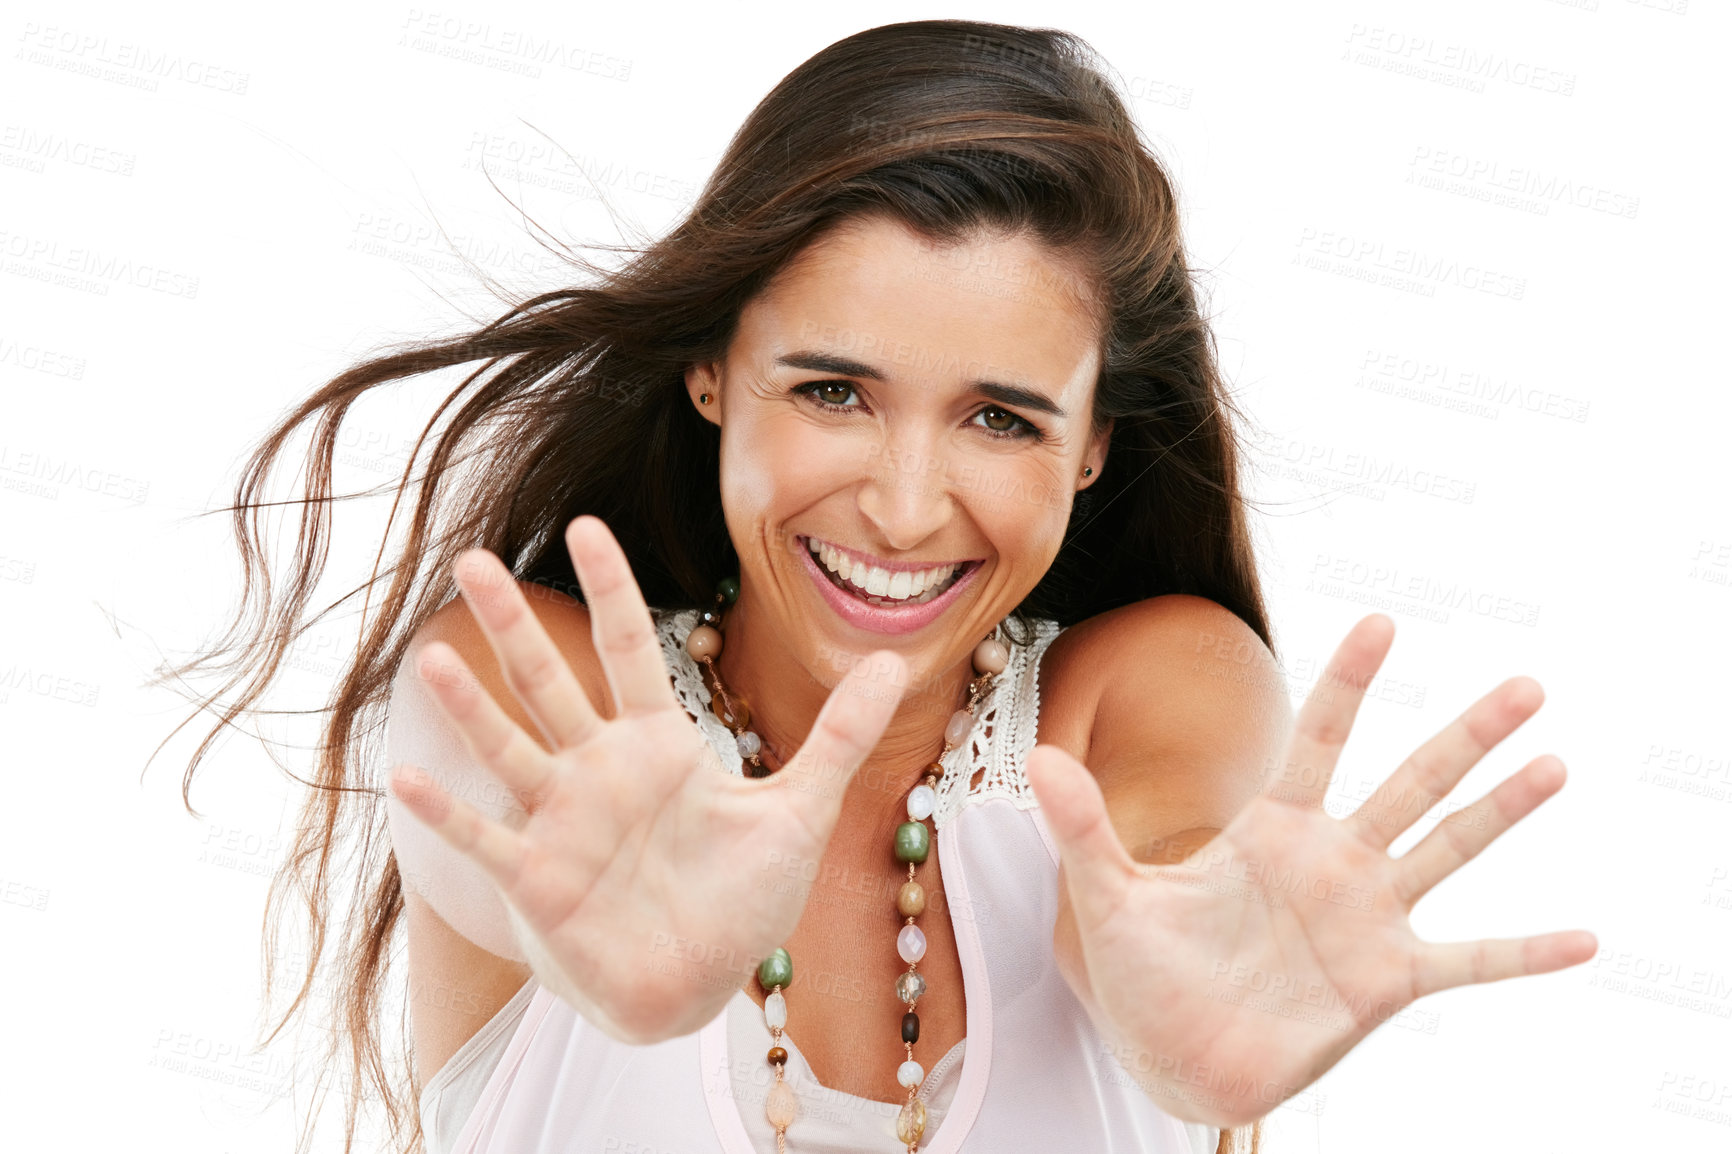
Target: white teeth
(836, 561)
(880, 586)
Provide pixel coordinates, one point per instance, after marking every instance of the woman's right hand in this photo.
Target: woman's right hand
(631, 878)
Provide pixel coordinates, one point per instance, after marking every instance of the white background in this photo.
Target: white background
(206, 213)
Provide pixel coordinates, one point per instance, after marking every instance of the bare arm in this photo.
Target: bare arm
(464, 961)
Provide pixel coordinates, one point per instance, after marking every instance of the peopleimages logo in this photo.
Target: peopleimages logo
(123, 62)
(1457, 65)
(37, 359)
(1370, 259)
(506, 49)
(42, 258)
(1461, 388)
(35, 149)
(547, 165)
(1513, 185)
(1418, 594)
(1361, 473)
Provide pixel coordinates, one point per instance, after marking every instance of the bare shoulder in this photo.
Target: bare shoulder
(1175, 705)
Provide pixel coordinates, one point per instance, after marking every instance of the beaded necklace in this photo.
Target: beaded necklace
(911, 846)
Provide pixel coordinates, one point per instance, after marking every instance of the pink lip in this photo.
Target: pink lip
(882, 618)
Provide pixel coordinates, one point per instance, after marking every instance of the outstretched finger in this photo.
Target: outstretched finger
(620, 621)
(1436, 767)
(1326, 718)
(1460, 837)
(1445, 965)
(495, 741)
(497, 850)
(532, 665)
(846, 730)
(1098, 869)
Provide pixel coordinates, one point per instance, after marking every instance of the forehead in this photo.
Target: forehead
(876, 291)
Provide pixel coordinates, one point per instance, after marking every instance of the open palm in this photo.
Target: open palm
(1232, 980)
(631, 876)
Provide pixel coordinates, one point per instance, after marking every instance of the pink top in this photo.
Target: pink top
(1034, 1073)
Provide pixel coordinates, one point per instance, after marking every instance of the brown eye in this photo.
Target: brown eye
(822, 393)
(1016, 429)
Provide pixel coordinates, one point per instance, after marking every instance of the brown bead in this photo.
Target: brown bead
(935, 770)
(738, 717)
(911, 900)
(704, 642)
(778, 1056)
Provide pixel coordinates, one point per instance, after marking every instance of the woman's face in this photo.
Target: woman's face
(923, 412)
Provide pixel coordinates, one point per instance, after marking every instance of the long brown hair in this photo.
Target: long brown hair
(576, 404)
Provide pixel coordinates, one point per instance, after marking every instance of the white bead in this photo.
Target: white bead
(748, 743)
(921, 799)
(911, 944)
(776, 1011)
(910, 1074)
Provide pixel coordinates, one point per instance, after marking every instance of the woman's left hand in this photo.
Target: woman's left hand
(1234, 979)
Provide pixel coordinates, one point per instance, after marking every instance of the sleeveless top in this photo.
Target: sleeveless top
(1031, 1073)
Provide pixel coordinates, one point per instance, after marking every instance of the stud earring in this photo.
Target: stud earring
(703, 398)
(1088, 470)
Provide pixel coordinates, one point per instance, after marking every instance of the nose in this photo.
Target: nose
(907, 498)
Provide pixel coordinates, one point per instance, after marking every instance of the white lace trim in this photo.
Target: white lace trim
(989, 764)
(688, 682)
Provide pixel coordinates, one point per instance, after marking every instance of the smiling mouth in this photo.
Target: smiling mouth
(876, 586)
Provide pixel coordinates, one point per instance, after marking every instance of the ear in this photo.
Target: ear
(1096, 457)
(702, 379)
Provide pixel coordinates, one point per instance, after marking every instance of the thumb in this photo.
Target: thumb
(847, 729)
(1098, 869)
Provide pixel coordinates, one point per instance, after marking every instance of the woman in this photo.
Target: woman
(912, 434)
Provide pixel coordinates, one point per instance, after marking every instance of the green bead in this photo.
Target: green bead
(913, 842)
(729, 588)
(777, 969)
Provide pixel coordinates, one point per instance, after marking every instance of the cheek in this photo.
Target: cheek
(1023, 508)
(774, 468)
(1025, 532)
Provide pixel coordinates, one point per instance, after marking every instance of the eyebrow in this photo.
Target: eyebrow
(847, 367)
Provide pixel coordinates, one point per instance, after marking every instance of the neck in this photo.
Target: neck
(771, 674)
